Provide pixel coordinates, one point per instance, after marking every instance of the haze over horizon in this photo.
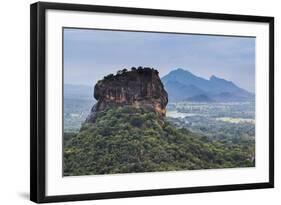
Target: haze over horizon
(89, 55)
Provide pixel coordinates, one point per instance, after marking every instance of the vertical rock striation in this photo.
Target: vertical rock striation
(140, 88)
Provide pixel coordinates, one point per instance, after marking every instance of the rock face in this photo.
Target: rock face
(140, 87)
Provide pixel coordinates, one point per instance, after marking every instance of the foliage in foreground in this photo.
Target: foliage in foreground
(127, 139)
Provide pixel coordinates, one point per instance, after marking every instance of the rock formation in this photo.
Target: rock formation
(141, 88)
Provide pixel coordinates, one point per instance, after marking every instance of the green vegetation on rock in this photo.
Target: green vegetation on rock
(127, 139)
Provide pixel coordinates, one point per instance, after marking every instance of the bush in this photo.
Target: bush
(136, 121)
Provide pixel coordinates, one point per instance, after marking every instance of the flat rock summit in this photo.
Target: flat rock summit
(140, 87)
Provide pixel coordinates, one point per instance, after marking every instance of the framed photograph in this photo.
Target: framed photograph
(129, 102)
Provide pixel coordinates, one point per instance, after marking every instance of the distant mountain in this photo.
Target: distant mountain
(182, 85)
(199, 98)
(82, 92)
(175, 90)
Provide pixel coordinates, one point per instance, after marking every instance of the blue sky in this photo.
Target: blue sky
(91, 54)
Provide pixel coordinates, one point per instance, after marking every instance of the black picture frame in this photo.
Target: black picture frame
(38, 101)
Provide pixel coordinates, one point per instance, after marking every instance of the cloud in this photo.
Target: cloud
(91, 54)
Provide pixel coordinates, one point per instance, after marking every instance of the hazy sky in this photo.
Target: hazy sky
(91, 54)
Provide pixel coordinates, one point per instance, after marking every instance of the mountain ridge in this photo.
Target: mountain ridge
(217, 89)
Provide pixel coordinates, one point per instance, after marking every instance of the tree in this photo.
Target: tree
(108, 76)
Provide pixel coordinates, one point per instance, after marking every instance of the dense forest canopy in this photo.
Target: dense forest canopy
(128, 139)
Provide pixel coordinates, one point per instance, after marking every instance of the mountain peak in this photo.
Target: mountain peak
(213, 77)
(183, 81)
(182, 70)
(179, 72)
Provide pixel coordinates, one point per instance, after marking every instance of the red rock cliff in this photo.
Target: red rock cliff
(140, 87)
